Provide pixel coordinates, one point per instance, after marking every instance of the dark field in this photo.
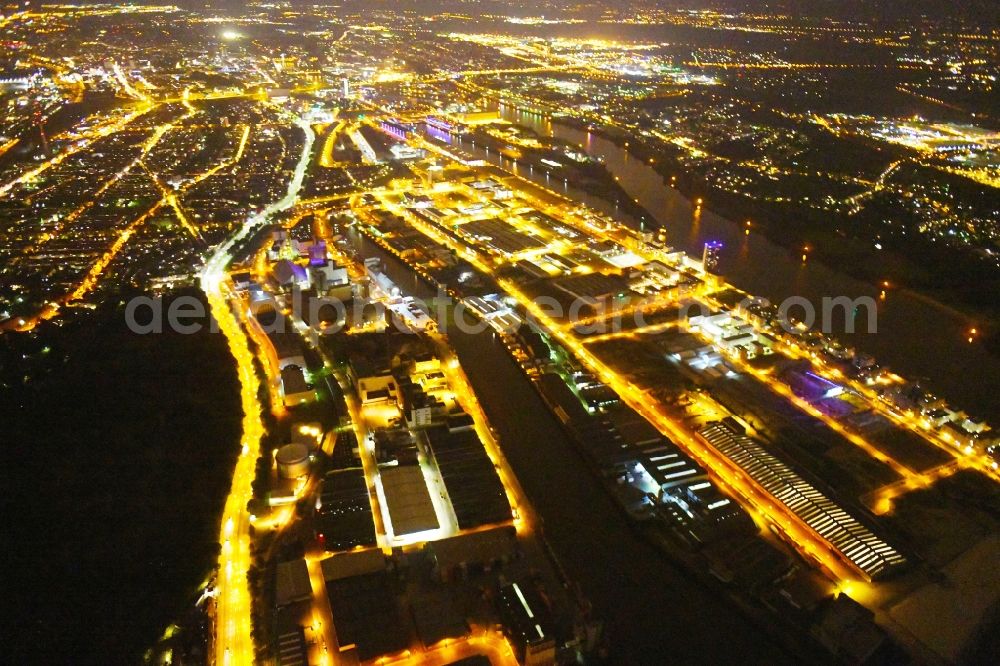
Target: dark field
(124, 447)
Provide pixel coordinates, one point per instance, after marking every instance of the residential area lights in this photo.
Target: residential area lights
(169, 197)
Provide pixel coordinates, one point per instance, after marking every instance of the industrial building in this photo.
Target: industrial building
(527, 624)
(854, 541)
(292, 583)
(473, 485)
(343, 510)
(408, 501)
(294, 389)
(365, 609)
(292, 460)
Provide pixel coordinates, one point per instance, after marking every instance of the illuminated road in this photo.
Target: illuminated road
(84, 142)
(326, 155)
(169, 198)
(172, 197)
(963, 457)
(521, 510)
(7, 146)
(764, 507)
(725, 472)
(126, 85)
(322, 627)
(92, 276)
(968, 457)
(73, 215)
(462, 391)
(233, 644)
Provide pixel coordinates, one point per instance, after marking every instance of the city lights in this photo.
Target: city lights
(346, 335)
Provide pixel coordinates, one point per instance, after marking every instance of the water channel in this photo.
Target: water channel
(915, 336)
(654, 611)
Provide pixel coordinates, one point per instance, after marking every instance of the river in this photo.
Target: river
(915, 336)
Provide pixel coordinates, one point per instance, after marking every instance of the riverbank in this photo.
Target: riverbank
(947, 276)
(937, 352)
(552, 160)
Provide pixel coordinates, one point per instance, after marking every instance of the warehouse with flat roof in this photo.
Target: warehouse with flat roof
(854, 541)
